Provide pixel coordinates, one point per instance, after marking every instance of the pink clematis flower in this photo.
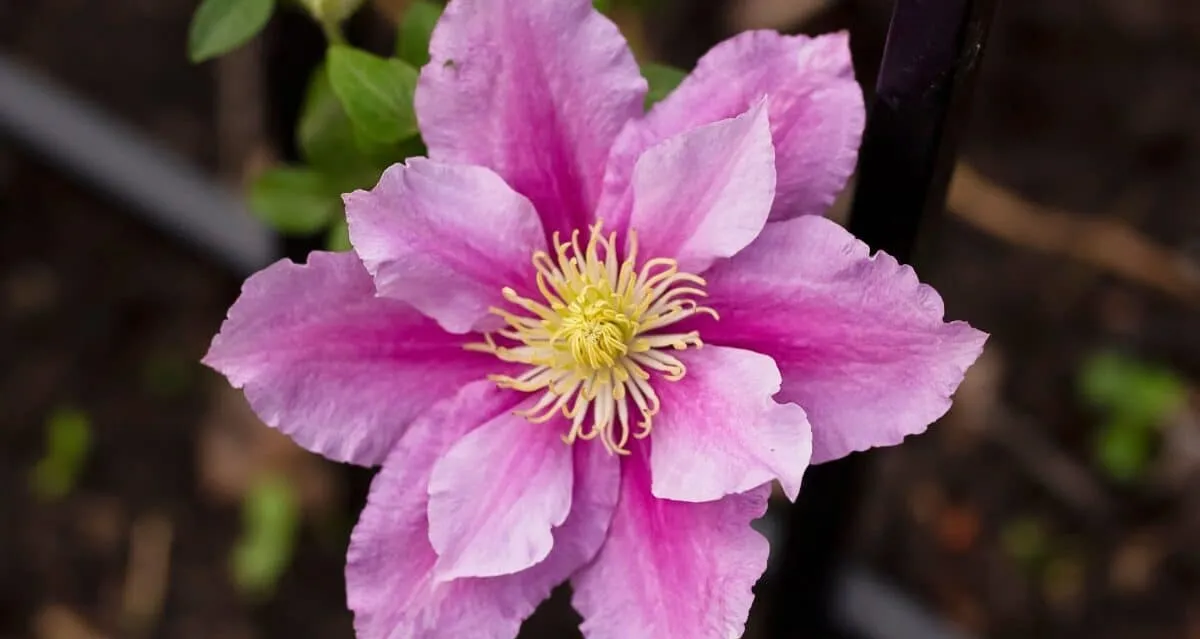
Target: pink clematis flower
(517, 335)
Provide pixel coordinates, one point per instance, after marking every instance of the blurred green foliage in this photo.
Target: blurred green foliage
(1026, 541)
(331, 12)
(1135, 398)
(662, 79)
(338, 238)
(294, 200)
(68, 440)
(416, 28)
(270, 523)
(220, 26)
(167, 375)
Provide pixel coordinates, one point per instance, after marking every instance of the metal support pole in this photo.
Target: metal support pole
(933, 51)
(166, 191)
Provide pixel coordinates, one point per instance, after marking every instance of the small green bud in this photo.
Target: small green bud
(331, 12)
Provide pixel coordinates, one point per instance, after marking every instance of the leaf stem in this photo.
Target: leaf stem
(333, 32)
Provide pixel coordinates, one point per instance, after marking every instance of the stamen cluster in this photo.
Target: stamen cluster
(593, 344)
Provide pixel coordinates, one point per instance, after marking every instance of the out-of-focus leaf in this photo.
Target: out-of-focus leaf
(348, 181)
(413, 147)
(378, 154)
(1026, 541)
(1138, 391)
(1064, 578)
(1136, 398)
(384, 155)
(412, 38)
(602, 6)
(325, 134)
(662, 79)
(167, 375)
(270, 521)
(329, 141)
(338, 238)
(377, 93)
(331, 11)
(294, 201)
(220, 26)
(1124, 450)
(68, 439)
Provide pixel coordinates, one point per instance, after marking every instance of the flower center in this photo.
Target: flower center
(596, 341)
(595, 329)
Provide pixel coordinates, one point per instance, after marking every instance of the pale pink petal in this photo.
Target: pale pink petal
(705, 194)
(323, 359)
(673, 569)
(495, 496)
(535, 90)
(720, 432)
(390, 580)
(594, 496)
(816, 112)
(445, 238)
(861, 343)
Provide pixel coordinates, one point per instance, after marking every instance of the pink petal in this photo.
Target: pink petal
(719, 431)
(390, 581)
(340, 370)
(816, 114)
(594, 496)
(705, 194)
(673, 569)
(535, 90)
(495, 496)
(860, 341)
(445, 238)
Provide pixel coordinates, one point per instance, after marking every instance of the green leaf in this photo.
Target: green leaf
(1124, 450)
(331, 12)
(603, 6)
(220, 26)
(1136, 399)
(379, 154)
(377, 93)
(663, 79)
(68, 439)
(1138, 393)
(338, 238)
(270, 520)
(412, 39)
(324, 134)
(294, 201)
(1025, 540)
(412, 147)
(167, 375)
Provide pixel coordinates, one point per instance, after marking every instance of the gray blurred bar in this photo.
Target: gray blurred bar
(167, 192)
(873, 609)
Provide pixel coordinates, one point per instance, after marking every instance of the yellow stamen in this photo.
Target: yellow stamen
(592, 344)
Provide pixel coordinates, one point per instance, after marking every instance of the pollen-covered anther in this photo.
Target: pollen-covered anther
(595, 341)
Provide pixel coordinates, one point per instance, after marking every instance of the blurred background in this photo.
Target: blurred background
(1060, 498)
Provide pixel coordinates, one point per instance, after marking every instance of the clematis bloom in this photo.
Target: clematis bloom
(582, 340)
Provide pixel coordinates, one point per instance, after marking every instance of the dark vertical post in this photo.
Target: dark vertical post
(933, 51)
(925, 83)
